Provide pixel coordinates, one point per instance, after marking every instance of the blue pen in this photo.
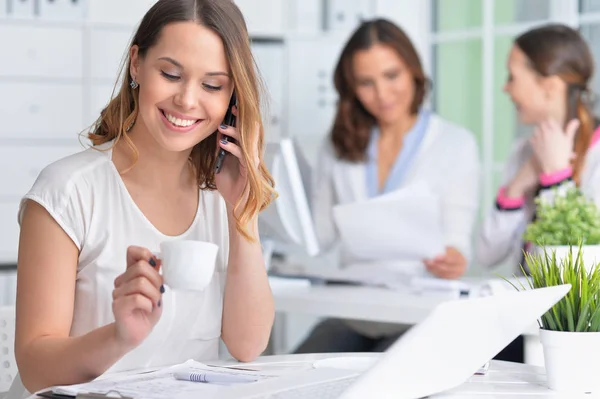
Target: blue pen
(213, 378)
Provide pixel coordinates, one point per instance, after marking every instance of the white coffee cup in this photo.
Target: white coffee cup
(187, 264)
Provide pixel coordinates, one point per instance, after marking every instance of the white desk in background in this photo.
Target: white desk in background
(356, 302)
(364, 303)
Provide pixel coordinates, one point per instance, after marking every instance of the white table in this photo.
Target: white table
(503, 380)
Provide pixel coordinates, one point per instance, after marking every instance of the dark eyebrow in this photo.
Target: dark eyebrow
(178, 65)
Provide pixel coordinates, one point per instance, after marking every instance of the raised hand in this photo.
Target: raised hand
(231, 181)
(553, 146)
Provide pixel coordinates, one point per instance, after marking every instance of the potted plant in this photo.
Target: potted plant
(566, 219)
(570, 330)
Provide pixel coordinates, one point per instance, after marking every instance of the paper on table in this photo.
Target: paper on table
(158, 384)
(405, 225)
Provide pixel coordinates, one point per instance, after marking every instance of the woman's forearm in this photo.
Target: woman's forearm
(248, 309)
(49, 361)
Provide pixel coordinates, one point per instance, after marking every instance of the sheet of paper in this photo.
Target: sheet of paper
(157, 384)
(403, 225)
(274, 369)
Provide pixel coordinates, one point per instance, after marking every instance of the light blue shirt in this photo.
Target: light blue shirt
(403, 162)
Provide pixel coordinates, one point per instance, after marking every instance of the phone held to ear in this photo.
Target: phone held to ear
(229, 120)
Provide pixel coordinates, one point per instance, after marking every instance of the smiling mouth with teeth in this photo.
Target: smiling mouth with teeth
(179, 122)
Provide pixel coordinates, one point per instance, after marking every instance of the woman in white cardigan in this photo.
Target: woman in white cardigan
(383, 140)
(550, 68)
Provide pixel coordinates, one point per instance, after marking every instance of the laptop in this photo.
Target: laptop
(440, 353)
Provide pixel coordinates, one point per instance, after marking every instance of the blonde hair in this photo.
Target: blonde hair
(225, 19)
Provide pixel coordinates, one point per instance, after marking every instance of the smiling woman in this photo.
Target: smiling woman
(86, 295)
(384, 139)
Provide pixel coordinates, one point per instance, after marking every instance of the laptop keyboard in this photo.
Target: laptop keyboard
(325, 390)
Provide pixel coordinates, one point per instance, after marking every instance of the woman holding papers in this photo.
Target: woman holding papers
(383, 140)
(88, 301)
(550, 69)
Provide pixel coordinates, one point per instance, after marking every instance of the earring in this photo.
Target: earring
(134, 85)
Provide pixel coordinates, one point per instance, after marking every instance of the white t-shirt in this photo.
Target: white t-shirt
(86, 196)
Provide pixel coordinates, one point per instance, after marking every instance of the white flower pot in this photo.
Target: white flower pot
(571, 361)
(591, 253)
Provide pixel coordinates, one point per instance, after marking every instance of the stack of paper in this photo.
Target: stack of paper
(160, 383)
(403, 225)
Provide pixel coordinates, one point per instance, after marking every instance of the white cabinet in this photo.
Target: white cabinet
(25, 164)
(33, 110)
(48, 52)
(100, 95)
(109, 49)
(305, 17)
(118, 12)
(9, 233)
(21, 9)
(345, 15)
(3, 8)
(61, 10)
(264, 18)
(270, 58)
(311, 96)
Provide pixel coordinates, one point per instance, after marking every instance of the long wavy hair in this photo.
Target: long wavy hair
(225, 19)
(558, 50)
(353, 123)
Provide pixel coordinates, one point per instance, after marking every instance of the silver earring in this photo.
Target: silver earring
(134, 85)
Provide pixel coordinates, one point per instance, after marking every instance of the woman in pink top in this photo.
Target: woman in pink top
(550, 68)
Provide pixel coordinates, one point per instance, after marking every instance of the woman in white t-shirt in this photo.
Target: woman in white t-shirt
(90, 296)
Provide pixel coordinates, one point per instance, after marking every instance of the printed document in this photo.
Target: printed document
(402, 225)
(158, 384)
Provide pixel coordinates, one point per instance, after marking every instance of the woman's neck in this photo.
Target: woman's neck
(397, 129)
(155, 167)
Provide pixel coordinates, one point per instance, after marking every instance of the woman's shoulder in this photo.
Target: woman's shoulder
(451, 137)
(451, 130)
(78, 164)
(73, 171)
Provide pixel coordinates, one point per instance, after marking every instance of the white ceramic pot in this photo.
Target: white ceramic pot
(591, 253)
(571, 361)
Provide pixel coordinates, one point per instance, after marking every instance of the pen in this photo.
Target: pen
(213, 378)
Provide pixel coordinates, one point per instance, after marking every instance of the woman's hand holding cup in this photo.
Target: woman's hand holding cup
(137, 297)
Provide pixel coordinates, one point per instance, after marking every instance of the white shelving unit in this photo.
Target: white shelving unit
(59, 67)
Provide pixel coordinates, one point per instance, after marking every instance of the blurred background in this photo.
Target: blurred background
(59, 61)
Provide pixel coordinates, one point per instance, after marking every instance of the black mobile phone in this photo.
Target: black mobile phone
(228, 120)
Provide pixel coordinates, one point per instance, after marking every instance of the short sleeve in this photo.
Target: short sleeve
(63, 196)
